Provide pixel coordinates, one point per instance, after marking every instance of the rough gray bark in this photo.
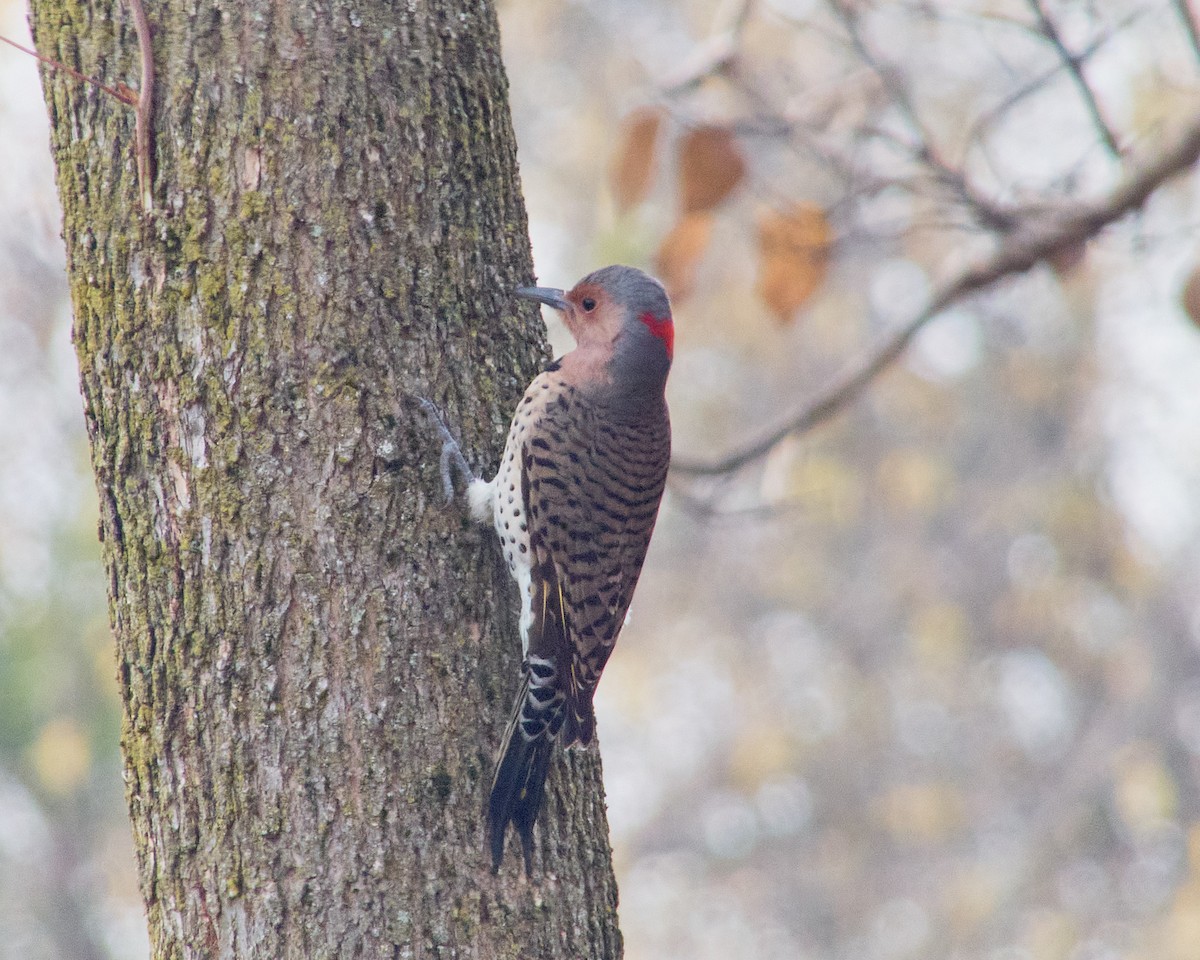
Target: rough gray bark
(316, 658)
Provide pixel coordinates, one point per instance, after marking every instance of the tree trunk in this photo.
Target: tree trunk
(317, 658)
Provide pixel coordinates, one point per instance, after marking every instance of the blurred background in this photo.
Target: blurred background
(923, 681)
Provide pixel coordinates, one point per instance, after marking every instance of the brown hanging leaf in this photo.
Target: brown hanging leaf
(793, 247)
(680, 253)
(1190, 296)
(710, 166)
(633, 166)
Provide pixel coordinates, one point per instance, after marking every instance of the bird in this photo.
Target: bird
(574, 503)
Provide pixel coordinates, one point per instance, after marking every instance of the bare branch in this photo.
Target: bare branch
(706, 508)
(1018, 252)
(723, 497)
(985, 120)
(988, 212)
(711, 58)
(925, 149)
(715, 55)
(1189, 22)
(1074, 65)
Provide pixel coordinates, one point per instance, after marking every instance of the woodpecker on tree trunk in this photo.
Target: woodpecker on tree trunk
(574, 504)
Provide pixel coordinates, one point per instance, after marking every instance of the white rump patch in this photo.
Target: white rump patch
(479, 499)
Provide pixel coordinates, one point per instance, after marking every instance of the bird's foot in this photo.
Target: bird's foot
(452, 455)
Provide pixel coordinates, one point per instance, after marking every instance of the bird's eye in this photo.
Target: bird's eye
(588, 304)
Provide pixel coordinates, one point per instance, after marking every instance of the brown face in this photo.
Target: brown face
(592, 316)
(602, 307)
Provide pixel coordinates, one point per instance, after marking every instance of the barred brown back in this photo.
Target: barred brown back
(592, 484)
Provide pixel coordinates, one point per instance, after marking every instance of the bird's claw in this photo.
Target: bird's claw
(452, 455)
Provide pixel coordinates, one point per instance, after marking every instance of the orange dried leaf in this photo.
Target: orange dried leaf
(710, 166)
(1190, 296)
(793, 247)
(680, 253)
(633, 166)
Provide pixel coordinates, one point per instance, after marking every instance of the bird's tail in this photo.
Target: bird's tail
(520, 779)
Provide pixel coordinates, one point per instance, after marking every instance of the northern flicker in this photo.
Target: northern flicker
(574, 504)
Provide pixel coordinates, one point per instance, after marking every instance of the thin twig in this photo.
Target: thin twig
(144, 122)
(989, 117)
(124, 94)
(925, 149)
(1048, 30)
(1018, 252)
(142, 101)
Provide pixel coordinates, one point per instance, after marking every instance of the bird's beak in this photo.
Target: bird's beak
(547, 295)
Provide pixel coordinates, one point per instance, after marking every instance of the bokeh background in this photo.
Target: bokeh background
(923, 681)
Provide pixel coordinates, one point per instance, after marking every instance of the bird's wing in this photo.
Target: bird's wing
(592, 487)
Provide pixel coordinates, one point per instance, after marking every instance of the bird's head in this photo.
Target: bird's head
(621, 320)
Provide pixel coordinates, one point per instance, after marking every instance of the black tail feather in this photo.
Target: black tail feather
(517, 790)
